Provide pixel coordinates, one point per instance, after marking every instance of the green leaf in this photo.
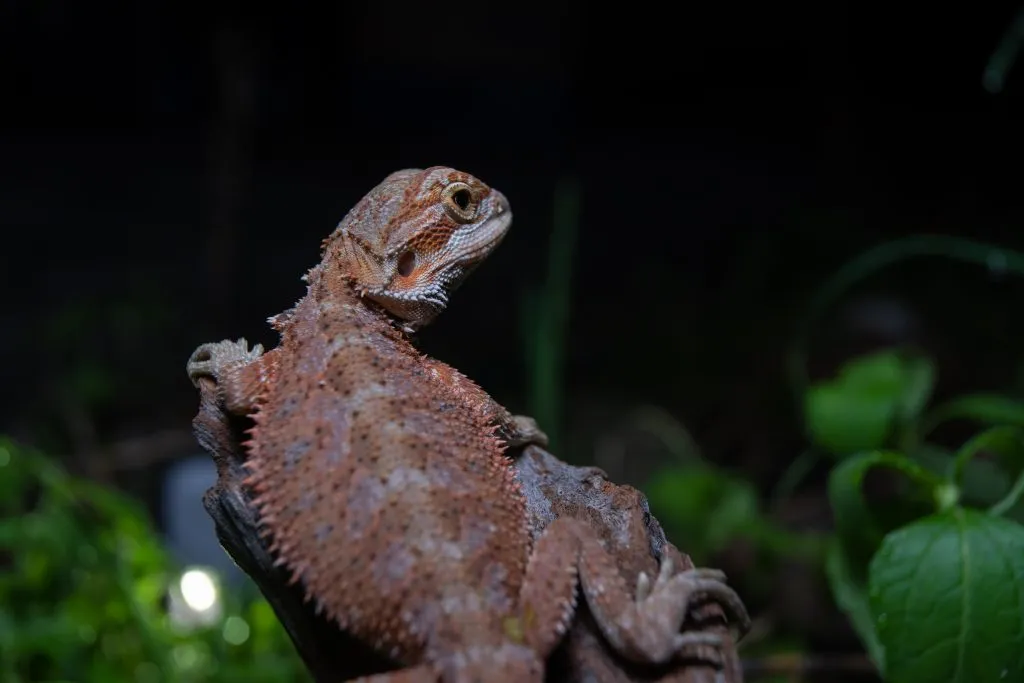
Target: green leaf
(850, 591)
(857, 524)
(872, 395)
(947, 596)
(842, 422)
(918, 385)
(989, 409)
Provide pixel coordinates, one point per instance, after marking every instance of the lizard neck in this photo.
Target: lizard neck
(335, 290)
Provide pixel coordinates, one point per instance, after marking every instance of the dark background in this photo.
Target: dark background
(167, 174)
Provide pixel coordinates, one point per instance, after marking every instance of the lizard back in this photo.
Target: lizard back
(386, 496)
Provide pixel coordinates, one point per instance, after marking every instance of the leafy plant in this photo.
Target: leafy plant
(931, 578)
(85, 588)
(930, 572)
(927, 554)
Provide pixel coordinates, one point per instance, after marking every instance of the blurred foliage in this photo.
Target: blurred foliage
(85, 586)
(926, 558)
(1004, 56)
(102, 368)
(545, 317)
(930, 572)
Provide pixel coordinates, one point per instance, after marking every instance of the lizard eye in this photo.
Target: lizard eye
(406, 263)
(462, 198)
(459, 202)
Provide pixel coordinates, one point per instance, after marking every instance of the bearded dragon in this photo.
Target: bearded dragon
(381, 477)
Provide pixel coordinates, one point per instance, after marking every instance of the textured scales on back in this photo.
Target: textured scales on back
(380, 474)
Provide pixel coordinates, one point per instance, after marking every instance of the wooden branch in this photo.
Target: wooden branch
(553, 489)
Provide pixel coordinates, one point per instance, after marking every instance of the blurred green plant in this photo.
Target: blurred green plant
(85, 590)
(928, 565)
(712, 508)
(544, 317)
(930, 568)
(1004, 56)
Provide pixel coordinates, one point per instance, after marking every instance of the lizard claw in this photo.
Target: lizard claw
(710, 583)
(709, 643)
(643, 582)
(682, 589)
(526, 431)
(660, 609)
(208, 360)
(643, 587)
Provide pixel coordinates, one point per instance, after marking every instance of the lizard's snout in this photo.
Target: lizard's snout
(499, 203)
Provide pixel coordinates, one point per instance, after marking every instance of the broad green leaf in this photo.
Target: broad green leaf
(947, 599)
(989, 409)
(856, 523)
(851, 595)
(859, 409)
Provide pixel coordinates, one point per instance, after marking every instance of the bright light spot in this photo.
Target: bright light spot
(194, 600)
(236, 630)
(198, 590)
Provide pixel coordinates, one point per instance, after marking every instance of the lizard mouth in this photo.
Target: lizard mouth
(469, 247)
(473, 244)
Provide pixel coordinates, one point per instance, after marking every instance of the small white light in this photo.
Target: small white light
(198, 590)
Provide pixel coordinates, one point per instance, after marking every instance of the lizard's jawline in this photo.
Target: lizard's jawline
(487, 236)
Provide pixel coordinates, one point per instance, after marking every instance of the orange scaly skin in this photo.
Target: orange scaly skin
(380, 474)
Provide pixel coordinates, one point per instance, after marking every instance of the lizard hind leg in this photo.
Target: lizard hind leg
(547, 599)
(642, 625)
(645, 626)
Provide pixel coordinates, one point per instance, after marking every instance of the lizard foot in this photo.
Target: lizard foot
(700, 581)
(209, 360)
(526, 431)
(680, 589)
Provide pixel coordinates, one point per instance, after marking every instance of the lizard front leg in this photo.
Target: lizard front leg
(515, 430)
(241, 373)
(643, 626)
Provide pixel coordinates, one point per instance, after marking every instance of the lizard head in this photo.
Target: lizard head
(413, 239)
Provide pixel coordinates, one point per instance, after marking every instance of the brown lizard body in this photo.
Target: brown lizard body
(380, 474)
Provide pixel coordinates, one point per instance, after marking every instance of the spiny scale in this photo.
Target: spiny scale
(387, 512)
